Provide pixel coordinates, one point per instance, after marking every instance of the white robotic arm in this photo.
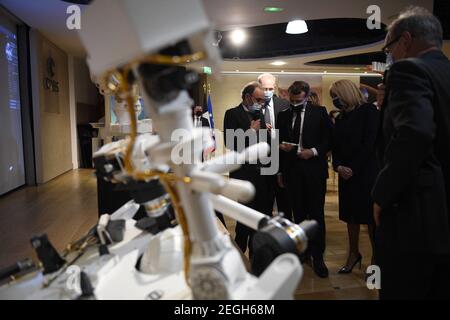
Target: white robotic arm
(146, 43)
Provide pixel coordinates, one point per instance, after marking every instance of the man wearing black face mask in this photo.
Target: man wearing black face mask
(199, 120)
(412, 191)
(304, 142)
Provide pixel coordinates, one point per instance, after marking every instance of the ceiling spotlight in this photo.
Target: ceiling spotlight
(297, 27)
(238, 36)
(278, 63)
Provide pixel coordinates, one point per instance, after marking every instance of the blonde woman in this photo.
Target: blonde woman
(314, 98)
(354, 136)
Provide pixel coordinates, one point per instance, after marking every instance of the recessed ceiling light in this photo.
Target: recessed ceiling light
(297, 27)
(278, 63)
(238, 36)
(273, 9)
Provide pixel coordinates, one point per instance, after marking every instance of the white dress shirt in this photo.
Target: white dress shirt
(271, 109)
(300, 139)
(197, 122)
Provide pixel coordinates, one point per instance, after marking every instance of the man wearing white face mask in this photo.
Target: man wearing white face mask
(273, 104)
(247, 116)
(271, 109)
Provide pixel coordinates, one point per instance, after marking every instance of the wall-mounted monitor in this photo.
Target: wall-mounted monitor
(12, 169)
(118, 120)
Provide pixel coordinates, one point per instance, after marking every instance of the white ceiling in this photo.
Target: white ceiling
(226, 14)
(49, 17)
(230, 14)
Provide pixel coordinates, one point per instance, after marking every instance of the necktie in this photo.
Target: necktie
(296, 129)
(296, 125)
(267, 115)
(302, 119)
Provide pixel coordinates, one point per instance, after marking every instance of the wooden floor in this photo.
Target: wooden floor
(66, 207)
(338, 286)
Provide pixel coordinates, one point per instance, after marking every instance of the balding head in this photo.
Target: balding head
(267, 79)
(251, 93)
(268, 84)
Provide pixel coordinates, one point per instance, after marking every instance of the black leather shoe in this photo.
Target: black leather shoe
(320, 268)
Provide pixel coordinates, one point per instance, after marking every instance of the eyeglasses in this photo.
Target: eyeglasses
(390, 43)
(385, 48)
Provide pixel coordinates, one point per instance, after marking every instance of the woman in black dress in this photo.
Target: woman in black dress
(354, 136)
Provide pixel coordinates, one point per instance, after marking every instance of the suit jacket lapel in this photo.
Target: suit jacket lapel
(380, 141)
(276, 107)
(306, 119)
(243, 116)
(289, 123)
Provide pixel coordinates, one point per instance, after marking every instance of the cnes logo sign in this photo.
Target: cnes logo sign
(73, 21)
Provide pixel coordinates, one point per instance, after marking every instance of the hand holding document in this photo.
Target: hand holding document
(287, 146)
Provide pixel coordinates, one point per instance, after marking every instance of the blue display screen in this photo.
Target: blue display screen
(12, 170)
(10, 51)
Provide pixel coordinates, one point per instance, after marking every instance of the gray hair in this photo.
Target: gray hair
(422, 24)
(268, 75)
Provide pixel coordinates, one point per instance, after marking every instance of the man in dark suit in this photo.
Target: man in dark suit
(199, 120)
(412, 191)
(248, 117)
(271, 109)
(304, 142)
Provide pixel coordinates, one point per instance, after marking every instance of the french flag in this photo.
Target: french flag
(211, 148)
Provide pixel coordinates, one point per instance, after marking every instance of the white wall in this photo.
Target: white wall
(73, 112)
(51, 110)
